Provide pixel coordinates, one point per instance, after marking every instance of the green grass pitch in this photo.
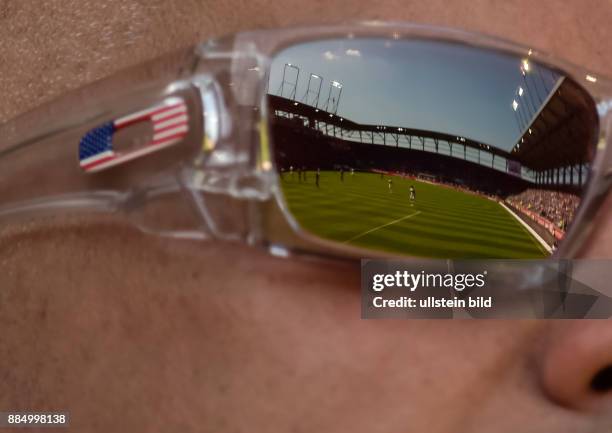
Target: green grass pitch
(442, 223)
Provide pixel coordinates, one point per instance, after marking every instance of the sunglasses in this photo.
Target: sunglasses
(367, 140)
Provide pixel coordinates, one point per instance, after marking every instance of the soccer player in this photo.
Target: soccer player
(317, 177)
(390, 182)
(412, 195)
(291, 171)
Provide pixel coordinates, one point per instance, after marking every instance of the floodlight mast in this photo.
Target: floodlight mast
(335, 102)
(291, 84)
(316, 91)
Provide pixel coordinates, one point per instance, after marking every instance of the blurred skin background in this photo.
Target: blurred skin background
(128, 332)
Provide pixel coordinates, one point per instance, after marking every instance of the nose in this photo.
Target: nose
(577, 365)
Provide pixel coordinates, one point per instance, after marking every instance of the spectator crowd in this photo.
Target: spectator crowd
(557, 207)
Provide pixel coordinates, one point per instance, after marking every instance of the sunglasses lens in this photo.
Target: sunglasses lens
(429, 148)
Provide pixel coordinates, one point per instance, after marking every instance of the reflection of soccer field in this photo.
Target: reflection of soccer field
(443, 222)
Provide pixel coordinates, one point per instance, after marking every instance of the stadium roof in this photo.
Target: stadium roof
(562, 133)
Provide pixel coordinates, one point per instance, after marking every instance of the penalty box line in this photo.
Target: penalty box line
(382, 226)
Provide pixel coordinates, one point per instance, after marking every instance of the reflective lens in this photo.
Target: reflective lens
(429, 148)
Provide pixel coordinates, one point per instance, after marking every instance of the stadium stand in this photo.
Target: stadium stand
(551, 210)
(309, 148)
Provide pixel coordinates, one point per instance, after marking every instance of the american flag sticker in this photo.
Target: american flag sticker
(170, 122)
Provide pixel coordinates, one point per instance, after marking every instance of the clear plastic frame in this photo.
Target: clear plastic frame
(203, 165)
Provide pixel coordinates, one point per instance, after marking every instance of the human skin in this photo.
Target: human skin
(129, 332)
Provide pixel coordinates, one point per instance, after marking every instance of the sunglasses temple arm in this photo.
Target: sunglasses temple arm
(131, 206)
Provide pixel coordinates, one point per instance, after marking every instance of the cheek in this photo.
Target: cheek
(300, 326)
(297, 342)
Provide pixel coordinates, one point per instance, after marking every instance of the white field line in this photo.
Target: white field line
(529, 229)
(382, 226)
